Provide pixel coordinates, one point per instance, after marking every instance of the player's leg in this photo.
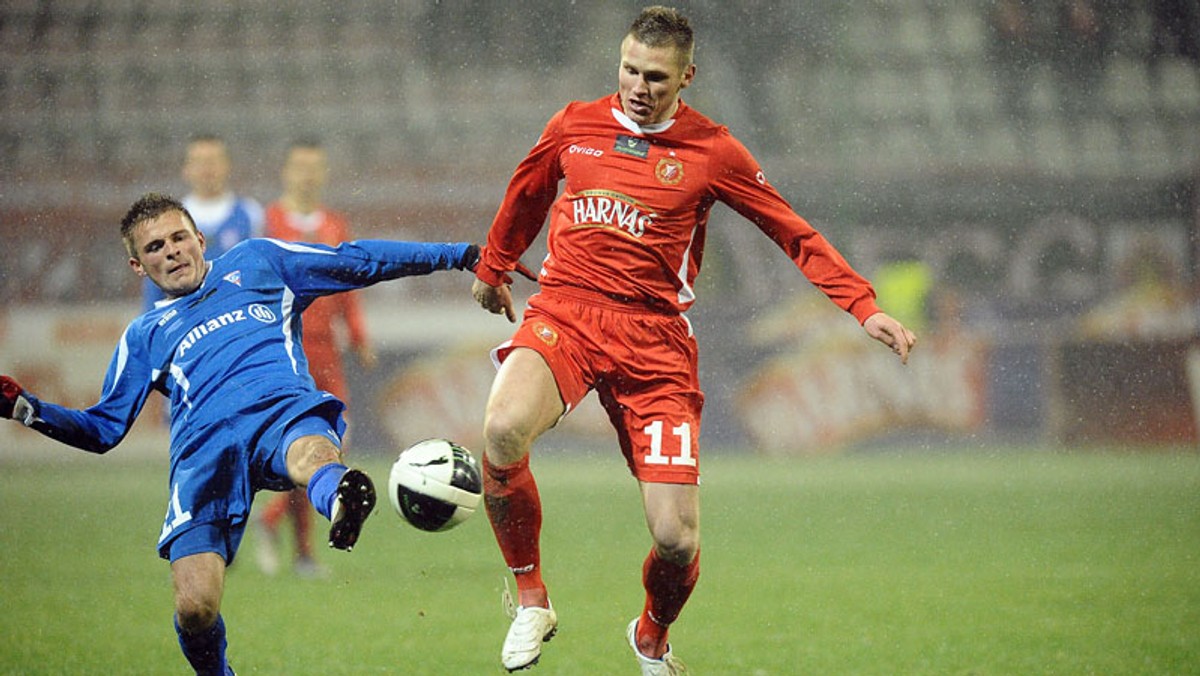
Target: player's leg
(656, 411)
(199, 582)
(672, 567)
(200, 538)
(523, 404)
(667, 474)
(344, 496)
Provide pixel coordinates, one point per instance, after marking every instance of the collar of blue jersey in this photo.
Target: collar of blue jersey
(163, 302)
(641, 129)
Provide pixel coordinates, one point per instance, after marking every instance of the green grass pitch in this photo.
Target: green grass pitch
(1013, 561)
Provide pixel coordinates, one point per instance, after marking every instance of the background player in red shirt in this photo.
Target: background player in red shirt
(299, 216)
(640, 171)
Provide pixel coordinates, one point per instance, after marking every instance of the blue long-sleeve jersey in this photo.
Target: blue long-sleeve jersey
(231, 350)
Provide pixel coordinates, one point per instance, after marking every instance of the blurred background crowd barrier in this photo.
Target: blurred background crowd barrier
(1018, 178)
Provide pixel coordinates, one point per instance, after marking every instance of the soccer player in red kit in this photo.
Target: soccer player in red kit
(300, 216)
(640, 171)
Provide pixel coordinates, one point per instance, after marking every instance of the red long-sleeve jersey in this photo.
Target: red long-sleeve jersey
(630, 221)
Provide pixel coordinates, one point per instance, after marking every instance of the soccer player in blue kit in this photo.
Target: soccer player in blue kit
(225, 348)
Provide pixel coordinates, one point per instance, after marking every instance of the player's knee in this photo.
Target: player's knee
(678, 545)
(507, 438)
(196, 613)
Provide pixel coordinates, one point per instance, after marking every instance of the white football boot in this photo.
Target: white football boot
(531, 627)
(667, 665)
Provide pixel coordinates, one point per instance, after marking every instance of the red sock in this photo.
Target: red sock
(668, 586)
(515, 511)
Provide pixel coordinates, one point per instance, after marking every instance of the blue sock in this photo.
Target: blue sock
(205, 651)
(322, 488)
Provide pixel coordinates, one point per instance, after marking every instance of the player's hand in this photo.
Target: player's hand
(494, 299)
(13, 402)
(892, 333)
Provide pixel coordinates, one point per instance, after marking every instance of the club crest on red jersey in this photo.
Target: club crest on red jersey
(669, 171)
(548, 335)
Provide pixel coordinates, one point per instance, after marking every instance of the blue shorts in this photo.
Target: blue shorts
(208, 537)
(211, 496)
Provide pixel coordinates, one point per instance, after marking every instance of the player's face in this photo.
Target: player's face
(170, 251)
(206, 168)
(304, 174)
(650, 80)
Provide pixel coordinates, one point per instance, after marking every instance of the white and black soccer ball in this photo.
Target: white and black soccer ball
(435, 485)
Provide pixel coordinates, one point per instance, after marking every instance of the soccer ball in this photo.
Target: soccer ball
(435, 485)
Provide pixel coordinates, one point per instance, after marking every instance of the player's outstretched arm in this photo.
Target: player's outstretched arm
(96, 429)
(14, 403)
(892, 333)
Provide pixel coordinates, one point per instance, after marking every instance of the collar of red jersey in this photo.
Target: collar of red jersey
(636, 128)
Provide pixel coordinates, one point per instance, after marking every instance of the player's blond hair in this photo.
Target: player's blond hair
(659, 26)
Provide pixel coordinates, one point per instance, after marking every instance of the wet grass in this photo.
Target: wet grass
(1013, 561)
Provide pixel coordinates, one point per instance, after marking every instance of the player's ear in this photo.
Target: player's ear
(137, 266)
(203, 242)
(689, 74)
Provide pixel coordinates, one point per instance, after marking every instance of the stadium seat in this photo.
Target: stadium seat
(1099, 149)
(1052, 151)
(963, 32)
(1127, 87)
(1045, 99)
(1179, 87)
(1151, 154)
(914, 32)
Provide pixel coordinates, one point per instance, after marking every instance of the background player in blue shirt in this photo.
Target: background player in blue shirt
(222, 216)
(245, 415)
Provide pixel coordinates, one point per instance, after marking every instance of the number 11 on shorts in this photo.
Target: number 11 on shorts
(656, 457)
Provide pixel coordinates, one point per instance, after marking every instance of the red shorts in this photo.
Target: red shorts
(642, 365)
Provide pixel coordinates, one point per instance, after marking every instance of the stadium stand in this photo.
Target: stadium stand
(429, 109)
